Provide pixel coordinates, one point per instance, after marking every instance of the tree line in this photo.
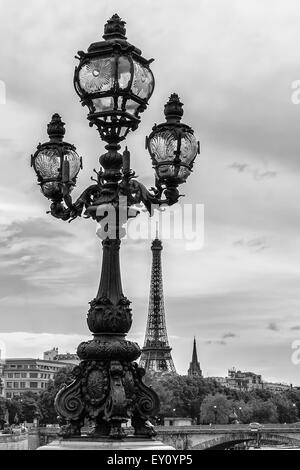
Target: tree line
(202, 400)
(206, 402)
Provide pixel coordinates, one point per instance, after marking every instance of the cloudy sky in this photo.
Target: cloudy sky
(233, 64)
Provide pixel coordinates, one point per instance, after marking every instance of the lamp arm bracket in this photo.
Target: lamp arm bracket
(151, 199)
(67, 210)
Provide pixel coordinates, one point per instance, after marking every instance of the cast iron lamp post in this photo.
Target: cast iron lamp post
(115, 82)
(215, 413)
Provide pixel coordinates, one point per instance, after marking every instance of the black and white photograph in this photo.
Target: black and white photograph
(149, 228)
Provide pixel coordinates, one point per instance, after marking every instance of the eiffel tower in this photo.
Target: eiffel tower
(156, 352)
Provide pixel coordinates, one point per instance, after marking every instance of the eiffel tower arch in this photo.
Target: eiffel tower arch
(156, 352)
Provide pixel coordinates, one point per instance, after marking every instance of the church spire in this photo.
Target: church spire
(195, 357)
(195, 369)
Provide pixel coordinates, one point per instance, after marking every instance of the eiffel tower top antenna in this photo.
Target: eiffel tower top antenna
(157, 231)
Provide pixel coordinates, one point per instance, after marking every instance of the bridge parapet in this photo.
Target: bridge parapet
(14, 441)
(207, 437)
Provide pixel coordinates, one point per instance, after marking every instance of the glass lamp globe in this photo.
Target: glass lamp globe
(114, 81)
(172, 146)
(56, 162)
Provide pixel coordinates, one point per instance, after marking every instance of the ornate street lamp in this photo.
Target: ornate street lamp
(57, 165)
(115, 82)
(173, 148)
(215, 413)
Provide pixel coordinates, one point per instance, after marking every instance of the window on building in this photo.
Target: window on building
(23, 375)
(22, 384)
(9, 384)
(16, 384)
(19, 366)
(8, 394)
(17, 375)
(33, 375)
(10, 376)
(33, 384)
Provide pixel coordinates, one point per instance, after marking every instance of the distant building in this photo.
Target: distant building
(21, 375)
(244, 380)
(238, 380)
(247, 381)
(195, 369)
(68, 358)
(174, 421)
(220, 380)
(277, 387)
(1, 376)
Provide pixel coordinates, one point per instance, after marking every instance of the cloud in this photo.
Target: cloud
(216, 342)
(296, 327)
(273, 326)
(254, 244)
(49, 270)
(27, 229)
(229, 335)
(256, 173)
(28, 344)
(240, 167)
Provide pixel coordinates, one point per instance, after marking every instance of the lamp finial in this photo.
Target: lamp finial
(174, 109)
(56, 128)
(114, 28)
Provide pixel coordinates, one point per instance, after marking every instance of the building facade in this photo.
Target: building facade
(53, 355)
(22, 375)
(247, 381)
(277, 387)
(1, 376)
(241, 381)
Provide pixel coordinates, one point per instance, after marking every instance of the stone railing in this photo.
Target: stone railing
(14, 441)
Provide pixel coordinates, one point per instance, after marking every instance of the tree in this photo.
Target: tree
(180, 393)
(294, 396)
(46, 399)
(29, 407)
(244, 411)
(216, 409)
(3, 411)
(287, 411)
(264, 411)
(14, 410)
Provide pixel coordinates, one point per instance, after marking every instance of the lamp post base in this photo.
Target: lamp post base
(89, 443)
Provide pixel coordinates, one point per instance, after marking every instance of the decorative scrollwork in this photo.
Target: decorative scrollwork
(70, 406)
(146, 404)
